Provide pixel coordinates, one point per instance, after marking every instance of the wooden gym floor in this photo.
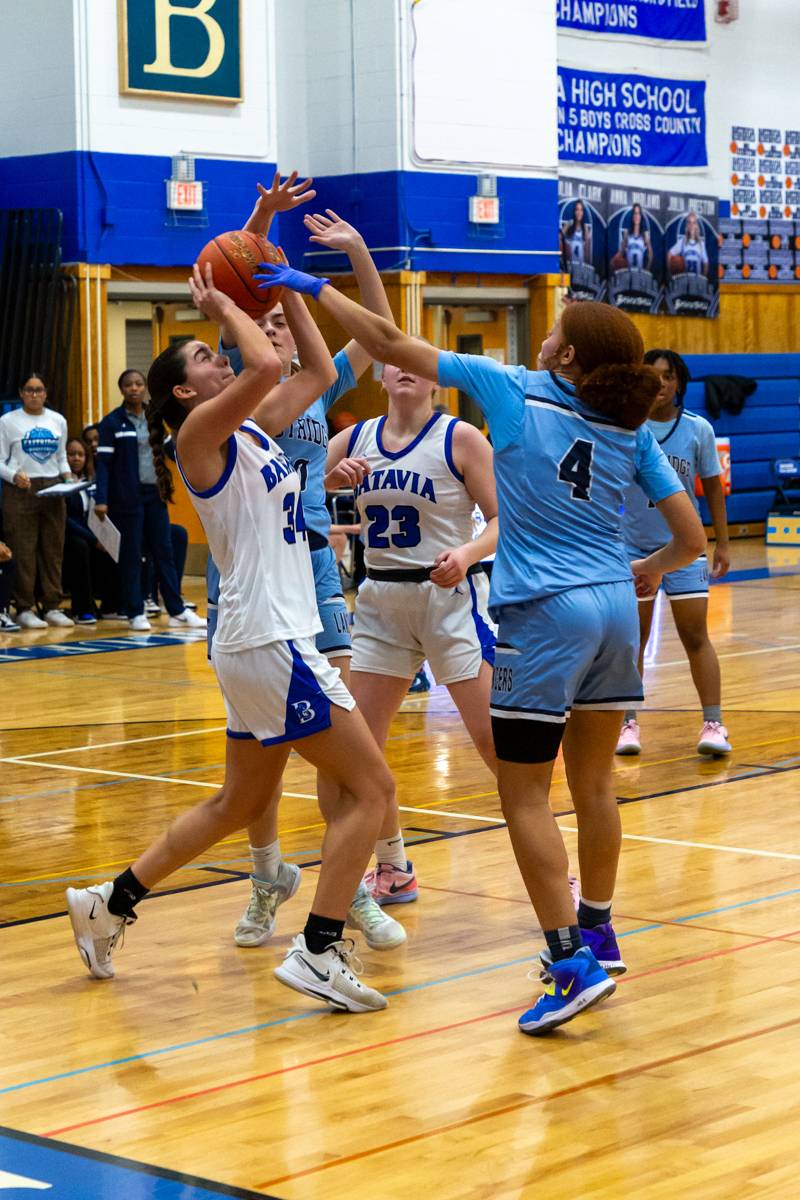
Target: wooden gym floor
(196, 1060)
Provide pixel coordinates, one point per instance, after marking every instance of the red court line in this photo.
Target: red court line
(408, 1037)
(598, 1081)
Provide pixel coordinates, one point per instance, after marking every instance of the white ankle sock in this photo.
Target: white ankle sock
(266, 861)
(392, 850)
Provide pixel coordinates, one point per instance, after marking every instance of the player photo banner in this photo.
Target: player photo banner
(641, 250)
(631, 120)
(682, 21)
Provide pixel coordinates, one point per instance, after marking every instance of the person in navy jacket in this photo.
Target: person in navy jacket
(126, 491)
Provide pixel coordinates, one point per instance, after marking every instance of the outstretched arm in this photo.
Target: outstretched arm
(333, 232)
(381, 339)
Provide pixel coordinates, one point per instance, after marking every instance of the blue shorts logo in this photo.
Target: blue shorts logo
(303, 711)
(40, 444)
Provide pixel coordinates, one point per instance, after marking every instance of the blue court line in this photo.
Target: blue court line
(744, 576)
(414, 987)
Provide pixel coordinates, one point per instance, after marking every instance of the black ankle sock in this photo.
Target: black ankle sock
(126, 894)
(563, 943)
(590, 917)
(320, 932)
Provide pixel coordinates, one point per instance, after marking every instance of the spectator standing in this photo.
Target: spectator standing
(7, 623)
(33, 443)
(89, 571)
(126, 491)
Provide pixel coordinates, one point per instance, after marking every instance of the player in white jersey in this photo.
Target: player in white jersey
(567, 441)
(426, 594)
(689, 444)
(636, 246)
(691, 247)
(279, 690)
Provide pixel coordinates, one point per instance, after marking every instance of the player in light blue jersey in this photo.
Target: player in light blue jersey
(689, 444)
(567, 443)
(305, 443)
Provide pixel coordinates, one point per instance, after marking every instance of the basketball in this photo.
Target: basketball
(234, 259)
(619, 262)
(676, 264)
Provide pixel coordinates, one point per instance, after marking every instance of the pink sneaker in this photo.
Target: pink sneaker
(391, 885)
(629, 742)
(714, 739)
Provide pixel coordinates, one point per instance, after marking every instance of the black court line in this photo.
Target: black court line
(760, 772)
(220, 1189)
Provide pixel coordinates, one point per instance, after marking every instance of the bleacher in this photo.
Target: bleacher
(767, 428)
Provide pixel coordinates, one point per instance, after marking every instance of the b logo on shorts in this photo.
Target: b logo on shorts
(303, 711)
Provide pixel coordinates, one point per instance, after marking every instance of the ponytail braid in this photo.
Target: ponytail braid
(157, 428)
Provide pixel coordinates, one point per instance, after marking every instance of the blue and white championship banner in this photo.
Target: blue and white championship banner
(669, 21)
(631, 120)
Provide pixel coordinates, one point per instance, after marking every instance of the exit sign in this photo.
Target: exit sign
(484, 210)
(185, 195)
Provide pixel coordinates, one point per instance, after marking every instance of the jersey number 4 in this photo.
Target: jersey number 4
(575, 468)
(406, 535)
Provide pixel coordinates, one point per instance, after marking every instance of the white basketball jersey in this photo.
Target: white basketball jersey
(253, 518)
(636, 251)
(413, 504)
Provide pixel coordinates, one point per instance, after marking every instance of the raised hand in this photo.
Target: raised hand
(211, 302)
(279, 197)
(332, 231)
(282, 275)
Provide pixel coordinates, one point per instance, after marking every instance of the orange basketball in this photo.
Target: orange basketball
(619, 262)
(745, 239)
(676, 264)
(234, 259)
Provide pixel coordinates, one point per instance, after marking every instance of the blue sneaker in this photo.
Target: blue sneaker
(603, 944)
(572, 985)
(420, 682)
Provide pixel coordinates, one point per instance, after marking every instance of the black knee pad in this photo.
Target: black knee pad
(522, 741)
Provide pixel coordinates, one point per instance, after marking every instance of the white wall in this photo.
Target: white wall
(109, 122)
(337, 59)
(483, 84)
(37, 77)
(751, 67)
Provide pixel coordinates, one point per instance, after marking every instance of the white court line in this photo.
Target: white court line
(681, 662)
(23, 762)
(441, 812)
(159, 737)
(633, 837)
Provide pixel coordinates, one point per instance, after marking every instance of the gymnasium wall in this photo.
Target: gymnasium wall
(751, 72)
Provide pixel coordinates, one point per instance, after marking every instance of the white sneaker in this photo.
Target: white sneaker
(151, 609)
(56, 617)
(29, 620)
(188, 619)
(330, 977)
(7, 623)
(381, 931)
(139, 624)
(713, 739)
(258, 923)
(630, 741)
(96, 930)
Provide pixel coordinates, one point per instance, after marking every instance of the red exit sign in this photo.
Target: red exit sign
(185, 195)
(484, 210)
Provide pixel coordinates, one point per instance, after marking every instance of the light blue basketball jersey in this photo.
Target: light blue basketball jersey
(305, 441)
(561, 471)
(689, 444)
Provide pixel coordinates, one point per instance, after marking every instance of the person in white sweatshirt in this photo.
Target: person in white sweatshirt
(33, 456)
